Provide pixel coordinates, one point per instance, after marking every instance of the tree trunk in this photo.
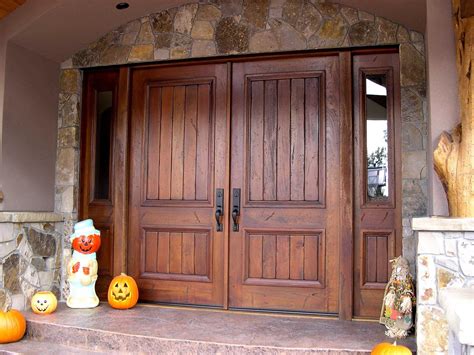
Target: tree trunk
(454, 156)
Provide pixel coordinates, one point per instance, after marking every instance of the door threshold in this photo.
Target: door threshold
(237, 310)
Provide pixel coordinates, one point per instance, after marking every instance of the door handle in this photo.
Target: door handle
(235, 209)
(219, 209)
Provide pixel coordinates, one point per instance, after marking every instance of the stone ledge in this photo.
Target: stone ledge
(458, 304)
(30, 217)
(442, 224)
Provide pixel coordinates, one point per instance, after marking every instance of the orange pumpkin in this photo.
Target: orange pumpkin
(44, 302)
(390, 349)
(12, 326)
(123, 292)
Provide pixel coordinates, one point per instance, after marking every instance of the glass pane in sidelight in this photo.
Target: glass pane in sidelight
(376, 119)
(103, 138)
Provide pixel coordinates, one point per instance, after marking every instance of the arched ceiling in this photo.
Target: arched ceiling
(57, 29)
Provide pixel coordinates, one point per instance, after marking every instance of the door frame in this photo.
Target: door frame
(122, 148)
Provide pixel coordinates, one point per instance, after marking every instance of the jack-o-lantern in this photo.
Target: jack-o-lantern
(86, 244)
(123, 292)
(12, 326)
(44, 302)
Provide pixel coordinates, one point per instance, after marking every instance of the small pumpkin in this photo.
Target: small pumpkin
(12, 326)
(390, 349)
(123, 292)
(86, 244)
(44, 302)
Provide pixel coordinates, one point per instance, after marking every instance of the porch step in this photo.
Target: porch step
(34, 347)
(147, 328)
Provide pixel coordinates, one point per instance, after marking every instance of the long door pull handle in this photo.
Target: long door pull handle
(235, 209)
(219, 209)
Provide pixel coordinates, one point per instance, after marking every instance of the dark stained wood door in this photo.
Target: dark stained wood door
(178, 160)
(285, 160)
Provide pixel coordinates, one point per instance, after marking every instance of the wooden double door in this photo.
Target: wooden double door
(240, 183)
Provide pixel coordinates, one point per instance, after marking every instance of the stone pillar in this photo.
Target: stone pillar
(30, 256)
(445, 259)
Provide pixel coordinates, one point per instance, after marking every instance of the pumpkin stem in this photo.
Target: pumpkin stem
(123, 274)
(6, 306)
(395, 343)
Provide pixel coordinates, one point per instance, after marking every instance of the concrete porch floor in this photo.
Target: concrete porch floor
(150, 328)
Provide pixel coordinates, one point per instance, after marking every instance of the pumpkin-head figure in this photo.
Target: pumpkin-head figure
(123, 292)
(44, 302)
(85, 239)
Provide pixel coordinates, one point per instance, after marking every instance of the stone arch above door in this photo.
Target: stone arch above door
(228, 27)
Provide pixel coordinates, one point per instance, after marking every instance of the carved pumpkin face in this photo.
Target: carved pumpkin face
(44, 302)
(86, 244)
(123, 292)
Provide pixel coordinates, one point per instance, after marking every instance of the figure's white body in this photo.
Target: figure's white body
(82, 281)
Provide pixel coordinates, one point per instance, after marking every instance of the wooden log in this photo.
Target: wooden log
(454, 156)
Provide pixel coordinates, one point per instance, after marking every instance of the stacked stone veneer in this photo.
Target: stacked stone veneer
(445, 258)
(227, 27)
(30, 256)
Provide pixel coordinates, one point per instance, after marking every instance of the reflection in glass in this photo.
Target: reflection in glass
(102, 145)
(376, 137)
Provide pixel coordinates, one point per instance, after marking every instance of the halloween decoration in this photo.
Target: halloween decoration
(390, 349)
(44, 302)
(12, 326)
(397, 309)
(82, 267)
(123, 292)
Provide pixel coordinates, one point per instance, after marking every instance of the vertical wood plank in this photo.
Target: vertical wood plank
(297, 140)
(175, 252)
(154, 128)
(270, 142)
(371, 259)
(165, 148)
(187, 258)
(256, 141)
(284, 152)
(269, 256)
(296, 257)
(311, 257)
(178, 144)
(163, 252)
(151, 243)
(283, 257)
(382, 259)
(255, 256)
(311, 190)
(202, 150)
(190, 135)
(201, 261)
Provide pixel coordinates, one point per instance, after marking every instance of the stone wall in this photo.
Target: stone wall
(30, 256)
(445, 258)
(227, 27)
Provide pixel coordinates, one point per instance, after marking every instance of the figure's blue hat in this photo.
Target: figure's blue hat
(85, 227)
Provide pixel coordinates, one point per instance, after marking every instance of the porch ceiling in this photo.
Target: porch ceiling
(58, 29)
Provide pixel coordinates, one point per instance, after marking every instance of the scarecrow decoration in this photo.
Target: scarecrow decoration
(399, 298)
(82, 268)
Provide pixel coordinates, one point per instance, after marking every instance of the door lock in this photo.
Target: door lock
(219, 209)
(235, 209)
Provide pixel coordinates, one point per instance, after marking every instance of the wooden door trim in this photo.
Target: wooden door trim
(346, 217)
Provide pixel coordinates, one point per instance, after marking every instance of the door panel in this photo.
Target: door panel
(377, 220)
(178, 159)
(98, 170)
(285, 142)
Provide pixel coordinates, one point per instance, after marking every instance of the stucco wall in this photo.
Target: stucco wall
(29, 126)
(443, 102)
